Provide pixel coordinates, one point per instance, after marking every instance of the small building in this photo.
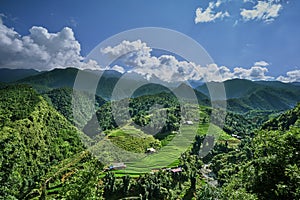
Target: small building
(150, 150)
(155, 170)
(176, 170)
(117, 166)
(189, 123)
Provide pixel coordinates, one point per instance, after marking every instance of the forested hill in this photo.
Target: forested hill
(245, 95)
(53, 79)
(241, 95)
(61, 99)
(10, 75)
(33, 137)
(266, 167)
(284, 121)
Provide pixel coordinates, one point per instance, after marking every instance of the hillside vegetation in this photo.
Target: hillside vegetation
(33, 137)
(245, 95)
(267, 167)
(255, 154)
(11, 75)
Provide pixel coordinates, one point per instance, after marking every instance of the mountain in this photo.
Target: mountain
(241, 95)
(55, 78)
(63, 100)
(11, 75)
(280, 85)
(284, 121)
(185, 90)
(150, 88)
(182, 90)
(268, 98)
(296, 83)
(33, 137)
(195, 83)
(59, 78)
(246, 95)
(234, 88)
(266, 166)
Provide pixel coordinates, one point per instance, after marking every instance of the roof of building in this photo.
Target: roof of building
(189, 122)
(151, 149)
(117, 165)
(175, 170)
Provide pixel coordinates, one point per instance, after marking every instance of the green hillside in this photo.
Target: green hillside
(266, 167)
(61, 99)
(11, 75)
(284, 121)
(245, 95)
(33, 137)
(242, 95)
(55, 78)
(58, 78)
(235, 88)
(266, 99)
(42, 155)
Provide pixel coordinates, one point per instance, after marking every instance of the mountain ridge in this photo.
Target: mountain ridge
(241, 95)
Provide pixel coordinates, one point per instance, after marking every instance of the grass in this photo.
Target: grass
(117, 133)
(173, 145)
(125, 131)
(219, 134)
(167, 155)
(165, 138)
(132, 139)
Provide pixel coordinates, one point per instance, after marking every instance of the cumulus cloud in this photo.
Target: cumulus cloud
(291, 76)
(266, 11)
(118, 68)
(40, 49)
(254, 73)
(209, 15)
(168, 68)
(126, 47)
(136, 55)
(261, 63)
(44, 51)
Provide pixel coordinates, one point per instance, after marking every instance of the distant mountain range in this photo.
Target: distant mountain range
(241, 95)
(11, 75)
(244, 95)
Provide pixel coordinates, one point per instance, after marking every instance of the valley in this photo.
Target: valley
(49, 151)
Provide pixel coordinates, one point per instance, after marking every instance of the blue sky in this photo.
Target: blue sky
(266, 31)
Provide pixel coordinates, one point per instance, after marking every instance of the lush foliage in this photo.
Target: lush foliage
(266, 167)
(64, 99)
(42, 156)
(33, 137)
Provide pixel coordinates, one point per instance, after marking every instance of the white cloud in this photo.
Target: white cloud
(126, 47)
(166, 68)
(209, 15)
(254, 73)
(40, 49)
(170, 69)
(261, 63)
(44, 51)
(118, 68)
(291, 76)
(266, 11)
